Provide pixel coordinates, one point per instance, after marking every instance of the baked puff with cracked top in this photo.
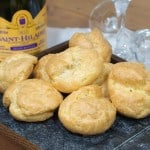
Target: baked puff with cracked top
(129, 89)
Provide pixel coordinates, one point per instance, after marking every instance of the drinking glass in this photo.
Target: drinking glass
(104, 16)
(142, 46)
(125, 38)
(109, 17)
(134, 44)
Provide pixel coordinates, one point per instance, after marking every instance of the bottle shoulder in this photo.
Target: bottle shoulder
(9, 7)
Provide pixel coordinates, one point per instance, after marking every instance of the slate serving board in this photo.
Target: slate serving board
(125, 134)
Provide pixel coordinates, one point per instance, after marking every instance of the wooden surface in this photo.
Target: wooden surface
(138, 15)
(70, 13)
(75, 13)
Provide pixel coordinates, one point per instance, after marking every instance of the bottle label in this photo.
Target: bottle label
(23, 33)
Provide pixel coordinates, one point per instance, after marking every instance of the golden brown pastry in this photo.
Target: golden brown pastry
(104, 74)
(40, 69)
(129, 89)
(86, 111)
(74, 68)
(16, 68)
(93, 40)
(32, 100)
(4, 54)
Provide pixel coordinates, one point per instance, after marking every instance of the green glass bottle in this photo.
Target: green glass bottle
(22, 26)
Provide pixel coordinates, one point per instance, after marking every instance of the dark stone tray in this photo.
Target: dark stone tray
(125, 134)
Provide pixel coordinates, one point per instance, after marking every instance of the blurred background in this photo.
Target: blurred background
(75, 13)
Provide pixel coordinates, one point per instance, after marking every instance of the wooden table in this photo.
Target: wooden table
(75, 13)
